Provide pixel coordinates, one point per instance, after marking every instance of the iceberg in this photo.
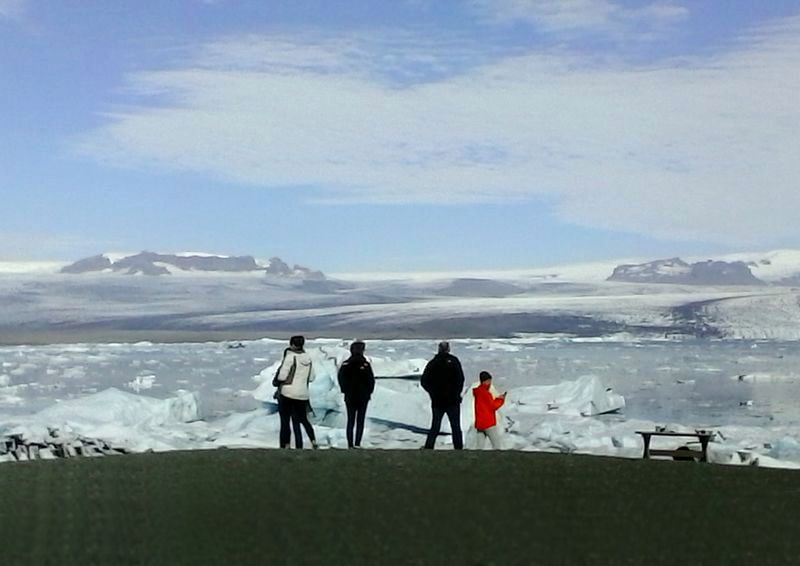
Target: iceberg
(125, 409)
(585, 397)
(128, 420)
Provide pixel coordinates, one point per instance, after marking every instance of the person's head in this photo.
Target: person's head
(297, 342)
(357, 348)
(444, 347)
(485, 377)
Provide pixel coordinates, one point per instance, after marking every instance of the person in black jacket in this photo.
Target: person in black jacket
(443, 379)
(357, 382)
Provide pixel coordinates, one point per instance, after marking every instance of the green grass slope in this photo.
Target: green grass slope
(236, 507)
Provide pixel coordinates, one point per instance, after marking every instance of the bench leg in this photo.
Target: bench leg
(646, 440)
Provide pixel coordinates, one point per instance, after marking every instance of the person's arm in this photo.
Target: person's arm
(426, 378)
(459, 377)
(342, 377)
(311, 375)
(370, 379)
(286, 366)
(499, 401)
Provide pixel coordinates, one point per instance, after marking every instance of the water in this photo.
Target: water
(686, 382)
(692, 383)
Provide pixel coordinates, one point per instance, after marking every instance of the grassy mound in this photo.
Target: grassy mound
(238, 507)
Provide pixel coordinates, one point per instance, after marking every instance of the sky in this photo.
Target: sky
(397, 135)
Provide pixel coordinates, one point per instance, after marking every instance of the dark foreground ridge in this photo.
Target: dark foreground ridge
(393, 507)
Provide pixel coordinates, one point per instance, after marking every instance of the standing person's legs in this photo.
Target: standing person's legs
(297, 407)
(493, 434)
(361, 415)
(480, 439)
(436, 425)
(351, 420)
(285, 413)
(454, 416)
(306, 407)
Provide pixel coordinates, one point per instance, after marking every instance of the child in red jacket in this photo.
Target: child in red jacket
(486, 405)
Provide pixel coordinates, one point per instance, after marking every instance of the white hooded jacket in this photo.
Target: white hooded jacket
(297, 371)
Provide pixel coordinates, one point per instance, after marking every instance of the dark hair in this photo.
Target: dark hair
(357, 347)
(444, 347)
(484, 376)
(297, 342)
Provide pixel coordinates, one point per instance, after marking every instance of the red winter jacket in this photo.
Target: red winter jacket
(486, 406)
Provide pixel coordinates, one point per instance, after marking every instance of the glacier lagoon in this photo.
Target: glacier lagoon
(747, 391)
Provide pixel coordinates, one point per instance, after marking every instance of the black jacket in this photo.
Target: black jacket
(356, 379)
(443, 379)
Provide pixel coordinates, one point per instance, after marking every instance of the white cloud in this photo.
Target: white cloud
(702, 149)
(598, 16)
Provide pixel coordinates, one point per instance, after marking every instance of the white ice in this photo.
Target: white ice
(205, 405)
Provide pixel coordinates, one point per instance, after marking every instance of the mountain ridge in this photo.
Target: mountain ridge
(778, 267)
(155, 264)
(676, 271)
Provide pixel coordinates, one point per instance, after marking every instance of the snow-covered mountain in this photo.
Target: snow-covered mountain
(217, 294)
(151, 263)
(780, 267)
(677, 271)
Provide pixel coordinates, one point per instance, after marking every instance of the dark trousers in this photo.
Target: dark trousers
(356, 414)
(296, 412)
(453, 413)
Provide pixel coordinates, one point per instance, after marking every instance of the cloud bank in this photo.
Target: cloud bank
(703, 148)
(602, 17)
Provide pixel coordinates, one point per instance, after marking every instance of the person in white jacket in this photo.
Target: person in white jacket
(293, 377)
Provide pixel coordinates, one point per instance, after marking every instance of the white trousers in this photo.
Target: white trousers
(493, 434)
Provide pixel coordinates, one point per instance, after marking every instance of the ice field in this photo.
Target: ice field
(565, 394)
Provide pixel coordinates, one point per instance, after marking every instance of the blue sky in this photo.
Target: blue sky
(399, 135)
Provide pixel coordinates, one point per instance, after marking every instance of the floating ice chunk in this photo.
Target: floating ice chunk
(762, 377)
(252, 429)
(493, 346)
(132, 421)
(403, 403)
(118, 407)
(9, 396)
(142, 382)
(264, 392)
(386, 367)
(786, 448)
(587, 397)
(77, 372)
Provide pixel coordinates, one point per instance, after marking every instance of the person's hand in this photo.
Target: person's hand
(504, 395)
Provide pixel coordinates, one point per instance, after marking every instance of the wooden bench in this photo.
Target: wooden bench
(682, 452)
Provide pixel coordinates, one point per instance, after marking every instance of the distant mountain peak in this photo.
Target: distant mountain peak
(152, 263)
(95, 263)
(278, 267)
(675, 270)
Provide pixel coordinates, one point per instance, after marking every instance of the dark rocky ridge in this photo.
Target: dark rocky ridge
(94, 263)
(280, 268)
(151, 263)
(677, 271)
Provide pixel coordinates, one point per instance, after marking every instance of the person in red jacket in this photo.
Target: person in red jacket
(486, 405)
